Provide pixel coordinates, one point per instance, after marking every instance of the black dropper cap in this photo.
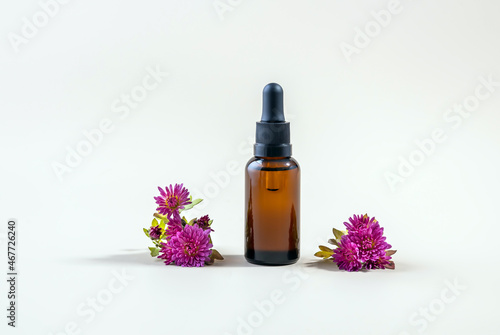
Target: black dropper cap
(273, 132)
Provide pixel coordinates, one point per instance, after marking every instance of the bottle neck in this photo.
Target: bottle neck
(272, 150)
(273, 158)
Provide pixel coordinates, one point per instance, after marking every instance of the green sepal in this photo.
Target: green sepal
(146, 232)
(338, 233)
(216, 255)
(323, 254)
(390, 252)
(154, 251)
(334, 242)
(159, 216)
(191, 205)
(323, 248)
(391, 265)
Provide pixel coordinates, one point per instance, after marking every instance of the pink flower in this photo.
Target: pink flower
(155, 232)
(358, 222)
(204, 222)
(347, 255)
(363, 247)
(172, 200)
(189, 247)
(174, 225)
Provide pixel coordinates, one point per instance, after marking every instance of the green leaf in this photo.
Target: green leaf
(154, 223)
(391, 265)
(159, 216)
(323, 254)
(162, 223)
(338, 233)
(192, 222)
(390, 252)
(154, 251)
(146, 232)
(334, 242)
(323, 248)
(210, 222)
(216, 255)
(191, 205)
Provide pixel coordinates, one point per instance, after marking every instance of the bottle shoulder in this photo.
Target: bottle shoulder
(261, 163)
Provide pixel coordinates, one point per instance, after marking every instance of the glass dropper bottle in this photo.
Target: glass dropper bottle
(272, 189)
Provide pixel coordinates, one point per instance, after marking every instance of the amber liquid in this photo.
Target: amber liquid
(272, 211)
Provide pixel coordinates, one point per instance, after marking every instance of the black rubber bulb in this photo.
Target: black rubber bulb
(272, 104)
(272, 137)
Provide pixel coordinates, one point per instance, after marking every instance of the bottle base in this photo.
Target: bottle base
(272, 258)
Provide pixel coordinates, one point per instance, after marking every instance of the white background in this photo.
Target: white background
(353, 120)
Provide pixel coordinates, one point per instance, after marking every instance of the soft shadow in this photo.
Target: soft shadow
(140, 256)
(327, 264)
(234, 261)
(323, 264)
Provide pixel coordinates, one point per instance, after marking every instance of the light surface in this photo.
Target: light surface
(353, 119)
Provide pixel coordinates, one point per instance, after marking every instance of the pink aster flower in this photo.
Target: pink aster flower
(166, 253)
(155, 232)
(371, 246)
(357, 222)
(347, 255)
(190, 247)
(172, 199)
(203, 222)
(364, 246)
(174, 225)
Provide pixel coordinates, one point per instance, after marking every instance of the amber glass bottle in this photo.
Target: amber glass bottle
(272, 189)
